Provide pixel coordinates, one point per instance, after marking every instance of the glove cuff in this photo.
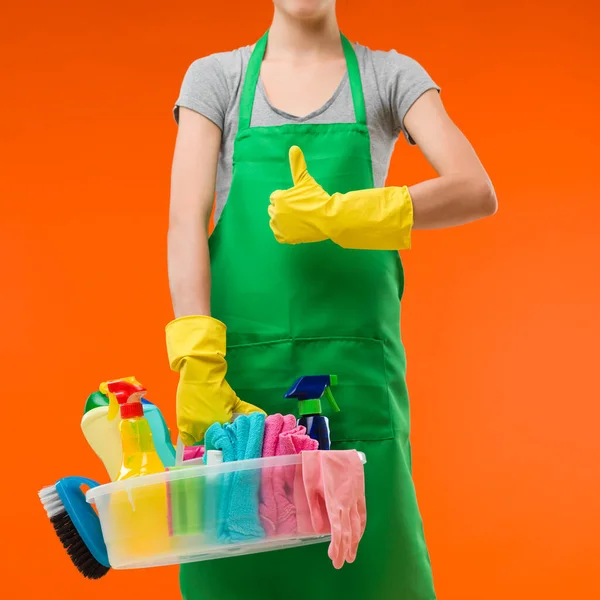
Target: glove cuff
(406, 218)
(193, 336)
(374, 219)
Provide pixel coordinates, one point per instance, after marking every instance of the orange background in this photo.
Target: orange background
(501, 318)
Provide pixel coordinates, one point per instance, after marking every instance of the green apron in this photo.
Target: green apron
(314, 309)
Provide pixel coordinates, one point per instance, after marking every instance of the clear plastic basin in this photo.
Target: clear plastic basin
(194, 513)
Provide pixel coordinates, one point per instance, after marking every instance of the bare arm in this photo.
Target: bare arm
(193, 179)
(463, 191)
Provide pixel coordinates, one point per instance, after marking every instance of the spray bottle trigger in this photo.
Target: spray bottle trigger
(331, 400)
(113, 405)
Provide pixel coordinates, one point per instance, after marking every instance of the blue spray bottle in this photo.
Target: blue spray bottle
(309, 390)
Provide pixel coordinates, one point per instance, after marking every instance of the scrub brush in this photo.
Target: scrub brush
(77, 525)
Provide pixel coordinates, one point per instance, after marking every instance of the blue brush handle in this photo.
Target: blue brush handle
(83, 515)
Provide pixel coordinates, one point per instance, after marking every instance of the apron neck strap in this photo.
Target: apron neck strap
(358, 98)
(253, 74)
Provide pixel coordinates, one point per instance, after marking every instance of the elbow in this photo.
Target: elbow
(485, 203)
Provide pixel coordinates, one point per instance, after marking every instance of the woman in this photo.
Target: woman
(303, 270)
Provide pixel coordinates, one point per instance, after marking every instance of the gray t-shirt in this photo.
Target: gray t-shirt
(391, 82)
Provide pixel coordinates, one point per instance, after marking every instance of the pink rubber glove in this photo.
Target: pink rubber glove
(303, 519)
(335, 492)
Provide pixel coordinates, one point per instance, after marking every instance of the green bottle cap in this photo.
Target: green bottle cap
(310, 407)
(95, 400)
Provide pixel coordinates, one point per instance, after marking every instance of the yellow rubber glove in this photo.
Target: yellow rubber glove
(196, 348)
(374, 219)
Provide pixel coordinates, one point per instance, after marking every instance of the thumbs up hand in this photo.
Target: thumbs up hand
(299, 214)
(369, 219)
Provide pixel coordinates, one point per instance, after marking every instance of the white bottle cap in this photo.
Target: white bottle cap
(214, 457)
(179, 450)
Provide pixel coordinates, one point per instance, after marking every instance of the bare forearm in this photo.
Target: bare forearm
(192, 195)
(452, 200)
(189, 270)
(463, 192)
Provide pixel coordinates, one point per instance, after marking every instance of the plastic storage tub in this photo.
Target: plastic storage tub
(194, 513)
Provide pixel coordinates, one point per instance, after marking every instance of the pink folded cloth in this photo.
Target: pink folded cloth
(294, 441)
(276, 509)
(274, 426)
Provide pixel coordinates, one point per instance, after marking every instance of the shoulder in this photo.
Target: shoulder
(223, 67)
(399, 79)
(211, 84)
(384, 65)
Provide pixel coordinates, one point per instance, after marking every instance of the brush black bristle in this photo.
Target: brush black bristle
(81, 557)
(79, 553)
(69, 537)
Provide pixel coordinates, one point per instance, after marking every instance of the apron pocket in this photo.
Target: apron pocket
(262, 373)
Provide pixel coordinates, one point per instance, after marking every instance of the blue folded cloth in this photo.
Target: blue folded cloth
(217, 493)
(239, 492)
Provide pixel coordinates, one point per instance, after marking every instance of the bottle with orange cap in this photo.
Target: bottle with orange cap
(140, 513)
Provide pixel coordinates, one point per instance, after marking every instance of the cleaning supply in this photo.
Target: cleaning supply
(196, 348)
(212, 497)
(369, 219)
(95, 400)
(77, 525)
(160, 433)
(304, 524)
(139, 453)
(309, 390)
(238, 519)
(142, 512)
(244, 522)
(293, 441)
(185, 500)
(104, 437)
(219, 438)
(274, 426)
(334, 485)
(193, 452)
(277, 509)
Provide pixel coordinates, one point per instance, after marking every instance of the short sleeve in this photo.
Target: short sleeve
(204, 89)
(402, 82)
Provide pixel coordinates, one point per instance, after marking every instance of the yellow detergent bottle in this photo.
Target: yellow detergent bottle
(140, 513)
(104, 437)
